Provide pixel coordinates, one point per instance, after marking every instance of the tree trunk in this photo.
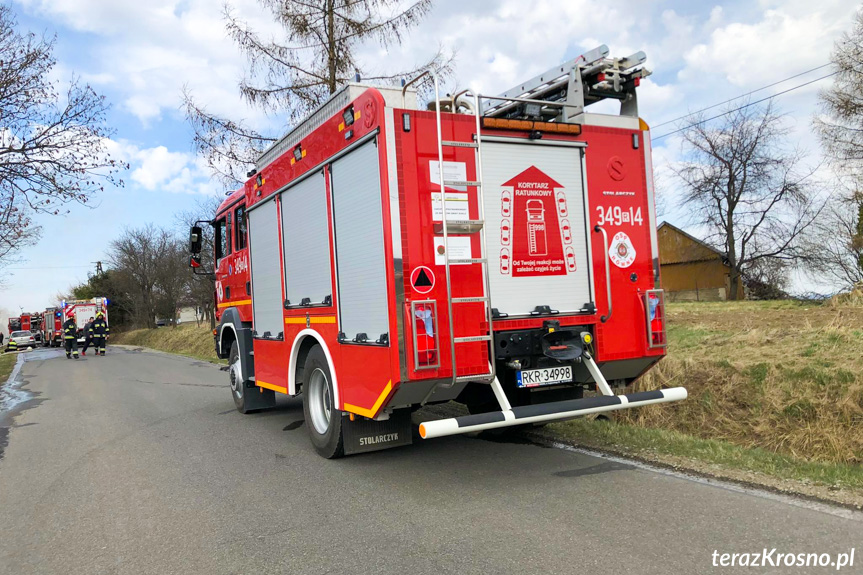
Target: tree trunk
(734, 269)
(734, 284)
(331, 37)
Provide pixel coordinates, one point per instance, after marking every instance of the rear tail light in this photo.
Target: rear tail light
(654, 306)
(424, 316)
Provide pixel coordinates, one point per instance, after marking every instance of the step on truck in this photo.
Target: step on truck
(500, 252)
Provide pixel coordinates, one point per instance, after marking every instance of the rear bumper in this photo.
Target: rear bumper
(545, 412)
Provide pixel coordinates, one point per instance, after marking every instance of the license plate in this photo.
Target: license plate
(544, 376)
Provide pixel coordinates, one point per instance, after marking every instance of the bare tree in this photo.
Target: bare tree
(201, 286)
(841, 124)
(17, 231)
(171, 277)
(52, 139)
(745, 186)
(289, 77)
(835, 242)
(135, 257)
(835, 245)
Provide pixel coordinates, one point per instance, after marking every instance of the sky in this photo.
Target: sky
(141, 55)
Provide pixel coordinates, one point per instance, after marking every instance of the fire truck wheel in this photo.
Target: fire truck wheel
(323, 420)
(238, 385)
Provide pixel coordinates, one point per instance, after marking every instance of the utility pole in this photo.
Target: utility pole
(98, 267)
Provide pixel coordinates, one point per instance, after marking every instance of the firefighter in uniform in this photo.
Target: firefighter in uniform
(100, 331)
(88, 337)
(12, 345)
(70, 336)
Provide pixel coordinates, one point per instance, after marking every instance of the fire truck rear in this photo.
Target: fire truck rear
(82, 310)
(496, 251)
(52, 327)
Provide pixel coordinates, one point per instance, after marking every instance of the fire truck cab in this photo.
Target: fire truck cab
(496, 251)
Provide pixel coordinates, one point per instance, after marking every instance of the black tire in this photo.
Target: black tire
(239, 387)
(323, 420)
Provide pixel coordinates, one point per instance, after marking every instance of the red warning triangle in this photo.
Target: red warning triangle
(423, 279)
(532, 175)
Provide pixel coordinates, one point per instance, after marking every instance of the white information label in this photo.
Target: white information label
(456, 206)
(459, 248)
(451, 171)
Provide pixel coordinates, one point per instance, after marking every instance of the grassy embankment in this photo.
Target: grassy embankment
(774, 388)
(189, 340)
(7, 363)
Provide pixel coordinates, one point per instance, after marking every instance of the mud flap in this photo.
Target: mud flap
(258, 397)
(363, 435)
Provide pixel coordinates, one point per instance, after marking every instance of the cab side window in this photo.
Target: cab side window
(240, 228)
(223, 240)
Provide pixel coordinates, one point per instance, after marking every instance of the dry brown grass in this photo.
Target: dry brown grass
(783, 376)
(187, 339)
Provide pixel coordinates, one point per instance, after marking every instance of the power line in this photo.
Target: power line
(47, 268)
(744, 106)
(743, 96)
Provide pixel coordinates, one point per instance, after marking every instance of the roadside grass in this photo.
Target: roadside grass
(783, 376)
(7, 364)
(648, 443)
(189, 340)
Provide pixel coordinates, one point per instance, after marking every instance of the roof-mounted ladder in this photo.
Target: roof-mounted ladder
(582, 81)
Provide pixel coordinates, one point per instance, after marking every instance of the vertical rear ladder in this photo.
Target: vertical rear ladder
(479, 225)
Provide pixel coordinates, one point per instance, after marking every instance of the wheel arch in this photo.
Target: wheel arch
(303, 343)
(233, 329)
(227, 336)
(229, 326)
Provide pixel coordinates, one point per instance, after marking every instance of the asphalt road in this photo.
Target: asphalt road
(137, 463)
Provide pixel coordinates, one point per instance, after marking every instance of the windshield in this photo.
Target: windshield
(20, 334)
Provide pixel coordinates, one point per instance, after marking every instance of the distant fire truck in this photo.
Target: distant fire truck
(52, 327)
(82, 310)
(497, 251)
(27, 322)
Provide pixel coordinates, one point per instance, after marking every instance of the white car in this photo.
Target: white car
(23, 339)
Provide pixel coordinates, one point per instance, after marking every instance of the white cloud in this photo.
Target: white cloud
(160, 169)
(783, 41)
(147, 51)
(156, 166)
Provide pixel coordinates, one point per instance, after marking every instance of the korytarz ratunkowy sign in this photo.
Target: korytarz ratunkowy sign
(535, 232)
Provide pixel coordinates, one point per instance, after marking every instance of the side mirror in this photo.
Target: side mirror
(195, 241)
(194, 261)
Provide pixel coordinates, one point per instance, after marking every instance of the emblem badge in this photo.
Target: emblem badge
(621, 252)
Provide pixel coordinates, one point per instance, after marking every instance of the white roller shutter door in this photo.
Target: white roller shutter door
(306, 235)
(360, 263)
(264, 260)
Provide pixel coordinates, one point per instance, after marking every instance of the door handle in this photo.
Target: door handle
(600, 229)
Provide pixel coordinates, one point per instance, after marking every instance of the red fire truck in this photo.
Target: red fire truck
(28, 322)
(496, 251)
(52, 327)
(82, 310)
